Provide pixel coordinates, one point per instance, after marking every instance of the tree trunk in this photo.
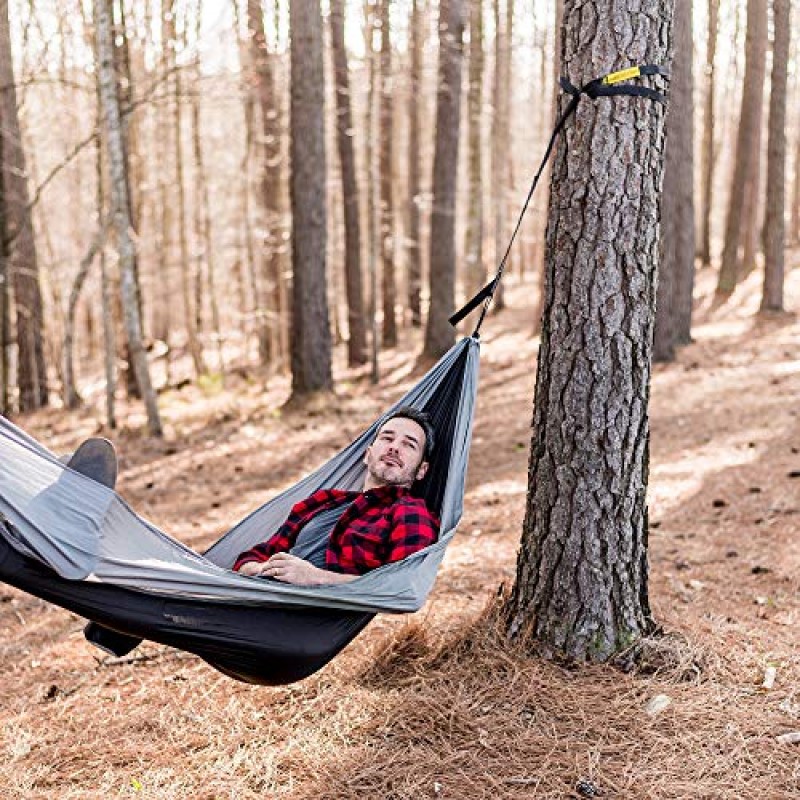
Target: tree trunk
(439, 335)
(475, 272)
(202, 213)
(499, 142)
(581, 585)
(271, 184)
(311, 336)
(5, 323)
(676, 270)
(71, 397)
(414, 248)
(187, 276)
(746, 143)
(22, 263)
(707, 157)
(558, 16)
(386, 227)
(356, 343)
(122, 216)
(109, 334)
(371, 184)
(774, 232)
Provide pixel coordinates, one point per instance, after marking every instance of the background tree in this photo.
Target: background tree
(438, 331)
(774, 226)
(386, 226)
(311, 336)
(356, 342)
(121, 211)
(676, 269)
(581, 584)
(475, 272)
(271, 185)
(22, 260)
(707, 148)
(747, 143)
(413, 246)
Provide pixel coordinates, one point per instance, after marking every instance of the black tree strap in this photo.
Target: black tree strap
(605, 86)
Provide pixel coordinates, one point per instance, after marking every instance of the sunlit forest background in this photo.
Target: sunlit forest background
(204, 93)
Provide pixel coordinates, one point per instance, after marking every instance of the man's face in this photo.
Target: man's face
(395, 457)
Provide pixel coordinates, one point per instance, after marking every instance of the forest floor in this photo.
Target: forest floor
(436, 705)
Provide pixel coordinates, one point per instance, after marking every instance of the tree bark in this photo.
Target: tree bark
(5, 322)
(22, 262)
(707, 157)
(72, 398)
(371, 184)
(271, 182)
(774, 231)
(581, 584)
(414, 248)
(386, 227)
(188, 278)
(121, 212)
(676, 270)
(439, 335)
(499, 144)
(475, 272)
(356, 342)
(311, 336)
(746, 144)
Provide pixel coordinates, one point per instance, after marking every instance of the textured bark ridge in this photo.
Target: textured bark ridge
(311, 337)
(581, 585)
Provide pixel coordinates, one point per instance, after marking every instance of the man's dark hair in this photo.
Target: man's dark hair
(422, 419)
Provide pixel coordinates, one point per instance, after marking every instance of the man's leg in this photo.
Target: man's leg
(96, 459)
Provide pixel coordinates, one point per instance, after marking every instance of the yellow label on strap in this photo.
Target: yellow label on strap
(622, 75)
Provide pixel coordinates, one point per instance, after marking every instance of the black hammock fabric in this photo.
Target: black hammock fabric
(70, 540)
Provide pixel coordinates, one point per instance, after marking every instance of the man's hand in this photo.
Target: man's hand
(291, 569)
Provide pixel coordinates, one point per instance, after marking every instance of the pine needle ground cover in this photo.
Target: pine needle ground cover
(438, 705)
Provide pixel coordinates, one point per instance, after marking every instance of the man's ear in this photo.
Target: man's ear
(366, 454)
(422, 470)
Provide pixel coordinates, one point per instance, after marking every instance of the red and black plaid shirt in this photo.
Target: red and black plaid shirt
(382, 525)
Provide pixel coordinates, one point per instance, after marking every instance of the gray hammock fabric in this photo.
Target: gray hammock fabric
(85, 532)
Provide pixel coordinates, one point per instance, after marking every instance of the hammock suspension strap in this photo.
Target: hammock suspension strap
(604, 86)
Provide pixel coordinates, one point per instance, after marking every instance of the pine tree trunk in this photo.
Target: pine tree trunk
(707, 155)
(187, 276)
(5, 322)
(71, 396)
(775, 233)
(203, 232)
(581, 585)
(109, 334)
(22, 263)
(746, 143)
(356, 343)
(439, 335)
(414, 248)
(371, 184)
(271, 180)
(122, 216)
(311, 336)
(389, 283)
(475, 272)
(499, 153)
(676, 269)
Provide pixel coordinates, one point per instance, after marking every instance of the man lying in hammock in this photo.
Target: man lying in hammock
(378, 525)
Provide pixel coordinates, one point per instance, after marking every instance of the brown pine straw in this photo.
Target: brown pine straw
(443, 706)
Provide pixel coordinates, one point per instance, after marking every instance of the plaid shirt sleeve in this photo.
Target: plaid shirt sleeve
(413, 527)
(284, 538)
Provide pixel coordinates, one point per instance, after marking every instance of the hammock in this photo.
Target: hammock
(70, 540)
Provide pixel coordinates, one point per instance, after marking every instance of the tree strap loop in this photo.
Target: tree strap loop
(604, 86)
